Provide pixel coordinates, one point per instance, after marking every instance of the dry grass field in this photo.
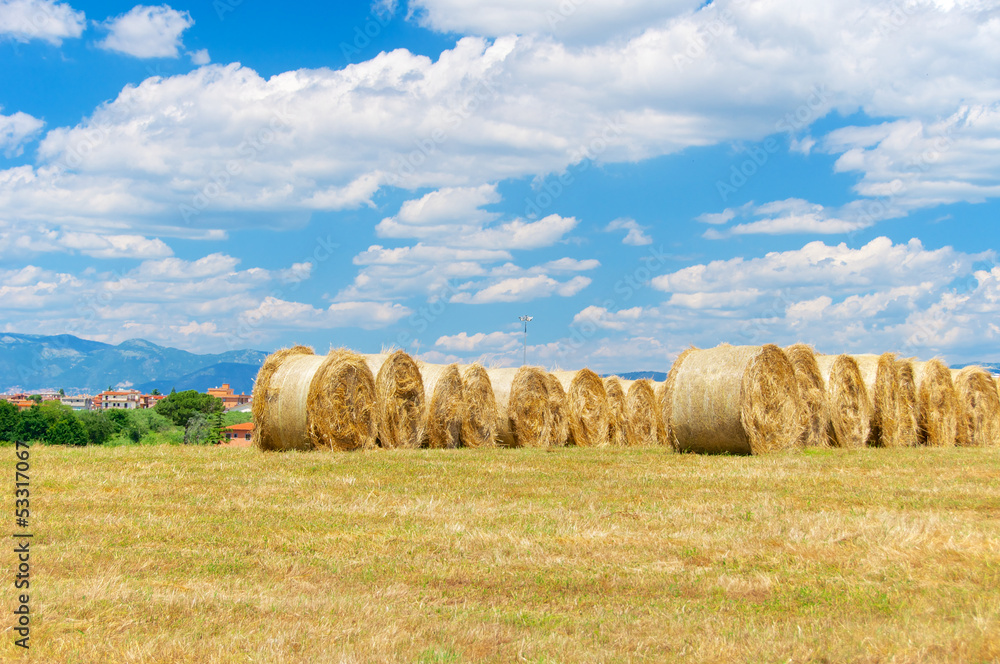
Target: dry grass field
(195, 554)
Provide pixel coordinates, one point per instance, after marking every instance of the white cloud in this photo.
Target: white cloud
(523, 289)
(635, 236)
(576, 20)
(147, 32)
(200, 57)
(16, 130)
(24, 20)
(795, 215)
(115, 246)
(479, 342)
(601, 317)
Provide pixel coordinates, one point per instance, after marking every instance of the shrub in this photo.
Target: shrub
(9, 418)
(98, 426)
(66, 432)
(32, 425)
(180, 407)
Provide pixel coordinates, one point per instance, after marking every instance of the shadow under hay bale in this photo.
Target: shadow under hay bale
(480, 426)
(558, 411)
(616, 409)
(522, 395)
(400, 409)
(847, 399)
(734, 399)
(589, 414)
(937, 404)
(315, 401)
(880, 374)
(445, 405)
(641, 426)
(978, 408)
(812, 393)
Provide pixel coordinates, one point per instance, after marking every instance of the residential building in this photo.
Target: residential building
(242, 431)
(125, 399)
(229, 399)
(23, 404)
(150, 400)
(78, 401)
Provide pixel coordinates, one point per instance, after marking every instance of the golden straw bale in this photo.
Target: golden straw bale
(937, 404)
(978, 408)
(641, 425)
(558, 411)
(481, 423)
(812, 393)
(616, 407)
(909, 425)
(881, 376)
(445, 405)
(847, 398)
(522, 395)
(734, 399)
(265, 437)
(589, 413)
(663, 413)
(400, 411)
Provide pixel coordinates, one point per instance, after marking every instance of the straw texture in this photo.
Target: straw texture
(522, 395)
(937, 404)
(481, 423)
(881, 377)
(589, 414)
(978, 408)
(641, 424)
(616, 408)
(265, 436)
(558, 412)
(340, 407)
(734, 399)
(812, 393)
(909, 424)
(400, 409)
(847, 397)
(445, 405)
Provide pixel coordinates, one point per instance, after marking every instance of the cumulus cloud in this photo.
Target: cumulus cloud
(147, 32)
(24, 20)
(16, 130)
(635, 236)
(479, 342)
(523, 289)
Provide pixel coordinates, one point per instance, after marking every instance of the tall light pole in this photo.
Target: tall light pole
(525, 320)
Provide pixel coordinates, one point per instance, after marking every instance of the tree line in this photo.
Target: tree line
(187, 417)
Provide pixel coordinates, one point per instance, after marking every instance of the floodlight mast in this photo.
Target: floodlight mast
(525, 320)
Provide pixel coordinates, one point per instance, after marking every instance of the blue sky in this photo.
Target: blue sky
(638, 178)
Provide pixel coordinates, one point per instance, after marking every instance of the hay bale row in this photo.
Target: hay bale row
(729, 399)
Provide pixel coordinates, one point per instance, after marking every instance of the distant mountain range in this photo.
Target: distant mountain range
(36, 362)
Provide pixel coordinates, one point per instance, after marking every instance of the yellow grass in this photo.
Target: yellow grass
(176, 554)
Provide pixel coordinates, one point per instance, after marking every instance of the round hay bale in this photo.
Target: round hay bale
(522, 396)
(400, 411)
(589, 414)
(937, 404)
(663, 414)
(445, 405)
(734, 399)
(641, 422)
(265, 436)
(479, 428)
(881, 377)
(812, 394)
(909, 425)
(321, 402)
(558, 411)
(616, 408)
(847, 399)
(978, 408)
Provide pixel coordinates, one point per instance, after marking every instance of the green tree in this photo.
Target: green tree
(66, 432)
(62, 392)
(180, 407)
(218, 430)
(32, 425)
(198, 430)
(119, 418)
(37, 398)
(155, 392)
(9, 418)
(98, 426)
